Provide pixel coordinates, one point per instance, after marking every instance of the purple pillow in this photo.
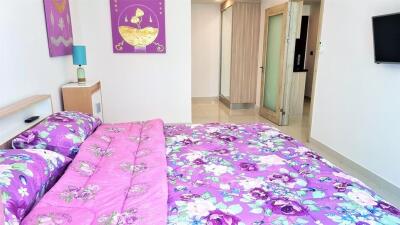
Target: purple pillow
(25, 176)
(61, 132)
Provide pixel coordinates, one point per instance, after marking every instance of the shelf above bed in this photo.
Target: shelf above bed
(12, 117)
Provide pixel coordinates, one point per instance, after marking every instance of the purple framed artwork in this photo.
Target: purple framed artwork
(59, 28)
(138, 26)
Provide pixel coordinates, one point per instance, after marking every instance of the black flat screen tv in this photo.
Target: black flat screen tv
(387, 38)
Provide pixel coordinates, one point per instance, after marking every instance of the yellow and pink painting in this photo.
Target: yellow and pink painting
(138, 26)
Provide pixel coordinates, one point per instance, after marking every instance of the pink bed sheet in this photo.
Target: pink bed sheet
(112, 180)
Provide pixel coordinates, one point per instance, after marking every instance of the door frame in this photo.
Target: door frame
(316, 64)
(276, 116)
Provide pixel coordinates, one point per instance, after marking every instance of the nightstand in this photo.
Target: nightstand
(84, 98)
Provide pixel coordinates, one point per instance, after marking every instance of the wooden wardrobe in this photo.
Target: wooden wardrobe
(240, 31)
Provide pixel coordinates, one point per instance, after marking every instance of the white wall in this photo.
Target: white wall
(25, 66)
(357, 107)
(206, 37)
(138, 86)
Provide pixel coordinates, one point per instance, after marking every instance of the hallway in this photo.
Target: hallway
(207, 111)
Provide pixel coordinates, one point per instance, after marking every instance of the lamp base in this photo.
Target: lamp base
(82, 81)
(81, 75)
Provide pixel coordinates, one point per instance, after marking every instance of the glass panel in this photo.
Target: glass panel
(272, 71)
(226, 52)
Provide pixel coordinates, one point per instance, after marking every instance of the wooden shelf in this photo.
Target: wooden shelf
(25, 103)
(12, 117)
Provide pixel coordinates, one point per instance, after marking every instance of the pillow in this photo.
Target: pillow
(25, 176)
(61, 132)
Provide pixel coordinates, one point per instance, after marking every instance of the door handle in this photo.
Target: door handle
(262, 68)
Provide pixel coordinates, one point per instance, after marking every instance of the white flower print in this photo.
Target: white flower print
(51, 157)
(271, 160)
(212, 129)
(251, 183)
(218, 170)
(23, 192)
(193, 156)
(362, 197)
(200, 207)
(225, 186)
(302, 150)
(348, 177)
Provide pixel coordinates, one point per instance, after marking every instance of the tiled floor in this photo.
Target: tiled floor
(206, 111)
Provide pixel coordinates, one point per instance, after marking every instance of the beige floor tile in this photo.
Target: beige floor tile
(214, 111)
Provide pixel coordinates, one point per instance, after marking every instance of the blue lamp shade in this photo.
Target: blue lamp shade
(79, 55)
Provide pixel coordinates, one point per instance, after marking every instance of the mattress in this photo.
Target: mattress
(149, 173)
(253, 174)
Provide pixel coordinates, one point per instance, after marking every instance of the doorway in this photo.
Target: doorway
(291, 86)
(272, 82)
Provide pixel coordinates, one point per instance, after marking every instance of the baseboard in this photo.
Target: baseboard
(204, 99)
(387, 190)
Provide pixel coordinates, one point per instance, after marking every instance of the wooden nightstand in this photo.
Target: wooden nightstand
(84, 98)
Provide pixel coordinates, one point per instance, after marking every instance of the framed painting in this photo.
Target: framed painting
(59, 27)
(138, 26)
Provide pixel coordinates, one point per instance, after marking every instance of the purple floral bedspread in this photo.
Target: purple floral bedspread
(253, 174)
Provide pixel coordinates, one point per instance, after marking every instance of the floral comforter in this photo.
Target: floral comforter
(118, 178)
(253, 175)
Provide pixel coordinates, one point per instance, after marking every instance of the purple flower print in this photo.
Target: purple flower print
(285, 178)
(285, 137)
(187, 141)
(59, 118)
(53, 218)
(387, 207)
(248, 167)
(232, 127)
(99, 152)
(341, 187)
(218, 217)
(188, 197)
(287, 207)
(115, 130)
(130, 219)
(313, 155)
(29, 137)
(137, 190)
(222, 151)
(199, 162)
(362, 223)
(84, 194)
(259, 193)
(127, 217)
(62, 132)
(226, 138)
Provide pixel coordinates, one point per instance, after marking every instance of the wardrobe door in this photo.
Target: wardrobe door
(245, 45)
(226, 53)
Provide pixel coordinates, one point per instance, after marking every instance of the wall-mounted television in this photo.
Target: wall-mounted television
(387, 38)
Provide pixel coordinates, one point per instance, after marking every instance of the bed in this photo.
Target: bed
(151, 173)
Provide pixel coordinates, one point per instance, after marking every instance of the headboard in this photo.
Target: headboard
(12, 117)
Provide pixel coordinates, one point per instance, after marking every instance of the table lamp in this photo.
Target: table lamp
(79, 58)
